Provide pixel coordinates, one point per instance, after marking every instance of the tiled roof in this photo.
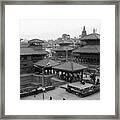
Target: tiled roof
(93, 36)
(70, 66)
(66, 41)
(88, 49)
(62, 48)
(36, 40)
(61, 41)
(24, 44)
(47, 63)
(31, 51)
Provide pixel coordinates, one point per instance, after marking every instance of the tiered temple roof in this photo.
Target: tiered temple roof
(88, 49)
(47, 63)
(70, 66)
(93, 36)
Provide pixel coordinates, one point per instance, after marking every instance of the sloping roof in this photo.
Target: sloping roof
(93, 36)
(88, 49)
(70, 66)
(65, 43)
(62, 48)
(47, 63)
(24, 44)
(61, 41)
(31, 51)
(36, 40)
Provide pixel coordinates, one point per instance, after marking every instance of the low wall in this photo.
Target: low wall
(26, 80)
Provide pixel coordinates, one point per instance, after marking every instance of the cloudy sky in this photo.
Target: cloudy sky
(53, 28)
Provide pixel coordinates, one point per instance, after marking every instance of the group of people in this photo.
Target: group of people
(94, 80)
(69, 77)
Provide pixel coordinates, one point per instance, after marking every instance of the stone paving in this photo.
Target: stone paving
(60, 94)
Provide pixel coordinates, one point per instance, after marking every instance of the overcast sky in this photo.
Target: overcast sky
(53, 28)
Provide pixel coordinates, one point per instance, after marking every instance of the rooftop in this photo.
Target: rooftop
(93, 36)
(24, 44)
(36, 40)
(47, 63)
(63, 41)
(59, 94)
(62, 48)
(31, 51)
(66, 43)
(70, 66)
(88, 49)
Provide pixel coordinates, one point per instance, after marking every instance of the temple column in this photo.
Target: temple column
(84, 60)
(63, 75)
(72, 77)
(81, 74)
(50, 71)
(81, 60)
(45, 72)
(66, 76)
(57, 73)
(53, 72)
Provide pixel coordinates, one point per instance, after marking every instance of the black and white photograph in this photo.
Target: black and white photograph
(59, 59)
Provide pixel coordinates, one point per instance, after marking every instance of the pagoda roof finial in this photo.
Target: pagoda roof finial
(84, 32)
(94, 31)
(84, 28)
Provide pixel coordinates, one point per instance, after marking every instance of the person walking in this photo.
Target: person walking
(50, 98)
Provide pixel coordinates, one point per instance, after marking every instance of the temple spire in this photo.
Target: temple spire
(94, 31)
(84, 28)
(84, 32)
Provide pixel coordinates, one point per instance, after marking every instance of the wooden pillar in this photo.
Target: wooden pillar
(45, 72)
(54, 71)
(66, 76)
(72, 78)
(50, 71)
(66, 55)
(57, 72)
(43, 85)
(81, 74)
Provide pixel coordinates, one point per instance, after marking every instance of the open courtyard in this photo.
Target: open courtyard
(60, 94)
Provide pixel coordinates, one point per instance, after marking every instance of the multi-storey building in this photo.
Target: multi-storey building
(30, 54)
(90, 53)
(90, 39)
